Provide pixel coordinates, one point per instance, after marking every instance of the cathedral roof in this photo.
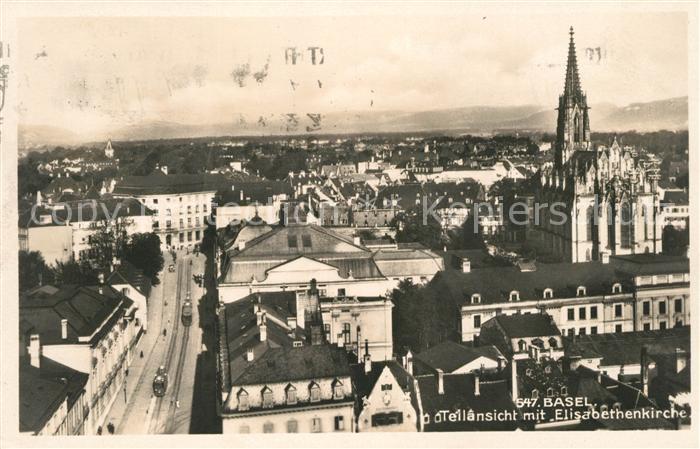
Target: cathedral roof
(572, 85)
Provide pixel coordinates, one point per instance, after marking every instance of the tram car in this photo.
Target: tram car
(187, 312)
(160, 382)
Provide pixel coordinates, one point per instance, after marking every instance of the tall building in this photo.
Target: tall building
(109, 151)
(594, 201)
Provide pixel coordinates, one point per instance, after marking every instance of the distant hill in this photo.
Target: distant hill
(669, 114)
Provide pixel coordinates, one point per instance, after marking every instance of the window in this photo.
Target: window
(662, 325)
(646, 308)
(647, 326)
(268, 427)
(476, 298)
(243, 404)
(155, 200)
(582, 313)
(346, 333)
(564, 391)
(617, 288)
(341, 292)
(535, 394)
(618, 328)
(571, 332)
(522, 346)
(316, 425)
(594, 330)
(291, 395)
(514, 296)
(167, 212)
(548, 293)
(618, 310)
(267, 398)
(182, 223)
(477, 321)
(314, 392)
(662, 308)
(197, 235)
(292, 426)
(387, 419)
(678, 305)
(306, 240)
(189, 236)
(570, 314)
(581, 291)
(550, 392)
(594, 312)
(386, 387)
(338, 392)
(292, 241)
(339, 423)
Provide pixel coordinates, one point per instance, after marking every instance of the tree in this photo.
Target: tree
(143, 251)
(33, 270)
(415, 226)
(675, 241)
(108, 242)
(74, 273)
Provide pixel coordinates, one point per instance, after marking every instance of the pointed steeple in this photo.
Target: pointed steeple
(572, 85)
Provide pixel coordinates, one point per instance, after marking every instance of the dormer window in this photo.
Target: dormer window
(617, 288)
(338, 392)
(581, 291)
(522, 346)
(243, 403)
(564, 391)
(514, 296)
(267, 397)
(314, 392)
(291, 394)
(550, 391)
(548, 293)
(476, 298)
(604, 408)
(553, 343)
(535, 394)
(548, 370)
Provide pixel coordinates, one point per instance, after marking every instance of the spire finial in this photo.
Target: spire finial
(571, 32)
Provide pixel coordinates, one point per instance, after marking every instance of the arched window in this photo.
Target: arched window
(550, 392)
(626, 225)
(476, 298)
(548, 293)
(564, 391)
(590, 221)
(314, 392)
(617, 288)
(577, 129)
(522, 346)
(514, 296)
(243, 403)
(581, 291)
(604, 408)
(535, 394)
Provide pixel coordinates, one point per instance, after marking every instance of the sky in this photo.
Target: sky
(95, 74)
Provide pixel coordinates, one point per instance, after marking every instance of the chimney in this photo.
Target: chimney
(35, 350)
(605, 257)
(477, 385)
(249, 355)
(368, 358)
(164, 169)
(440, 381)
(644, 362)
(409, 362)
(241, 245)
(466, 265)
(263, 328)
(357, 241)
(258, 312)
(64, 329)
(359, 345)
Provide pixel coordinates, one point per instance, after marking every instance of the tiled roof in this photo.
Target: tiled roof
(459, 395)
(678, 197)
(647, 264)
(449, 356)
(43, 390)
(160, 184)
(625, 348)
(242, 193)
(494, 284)
(287, 364)
(527, 325)
(127, 273)
(83, 211)
(84, 307)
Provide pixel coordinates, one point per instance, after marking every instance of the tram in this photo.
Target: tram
(160, 382)
(187, 312)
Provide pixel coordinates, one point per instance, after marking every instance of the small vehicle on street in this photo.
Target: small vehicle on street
(171, 268)
(160, 382)
(187, 312)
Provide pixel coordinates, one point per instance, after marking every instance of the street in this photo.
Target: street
(176, 347)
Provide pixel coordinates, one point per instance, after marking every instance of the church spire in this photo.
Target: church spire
(572, 85)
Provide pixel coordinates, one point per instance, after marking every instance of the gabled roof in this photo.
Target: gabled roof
(127, 273)
(42, 390)
(450, 356)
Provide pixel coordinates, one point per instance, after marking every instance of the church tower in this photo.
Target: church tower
(109, 151)
(573, 132)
